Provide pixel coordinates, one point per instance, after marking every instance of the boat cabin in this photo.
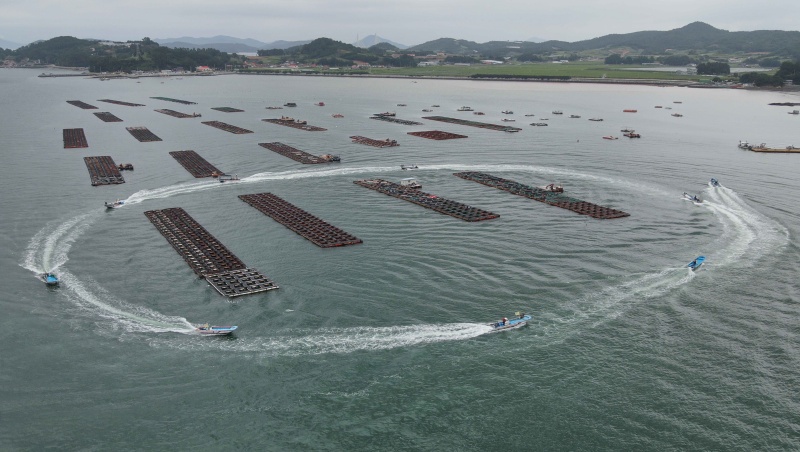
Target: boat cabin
(410, 182)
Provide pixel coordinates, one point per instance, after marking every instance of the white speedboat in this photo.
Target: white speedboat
(115, 205)
(209, 330)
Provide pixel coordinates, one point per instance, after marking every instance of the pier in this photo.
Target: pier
(437, 135)
(74, 138)
(464, 122)
(194, 164)
(227, 127)
(295, 124)
(169, 99)
(107, 117)
(375, 143)
(103, 171)
(81, 104)
(177, 114)
(227, 109)
(206, 256)
(427, 200)
(311, 228)
(119, 102)
(388, 118)
(298, 155)
(142, 134)
(547, 197)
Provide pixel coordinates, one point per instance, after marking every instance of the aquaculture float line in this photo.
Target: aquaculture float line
(463, 122)
(103, 170)
(142, 134)
(194, 164)
(227, 109)
(169, 99)
(81, 104)
(386, 118)
(296, 154)
(227, 127)
(177, 114)
(289, 122)
(74, 138)
(547, 197)
(313, 229)
(376, 143)
(206, 256)
(119, 102)
(107, 117)
(437, 135)
(427, 200)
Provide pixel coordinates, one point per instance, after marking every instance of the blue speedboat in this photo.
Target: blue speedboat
(209, 330)
(49, 279)
(695, 264)
(506, 324)
(713, 182)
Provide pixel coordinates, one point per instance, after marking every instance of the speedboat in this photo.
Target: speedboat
(465, 108)
(508, 120)
(228, 178)
(744, 145)
(713, 182)
(49, 279)
(410, 182)
(610, 137)
(507, 112)
(115, 205)
(692, 198)
(553, 188)
(695, 264)
(408, 167)
(506, 324)
(209, 330)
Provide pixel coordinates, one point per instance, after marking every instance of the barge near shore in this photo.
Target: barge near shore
(464, 122)
(298, 155)
(74, 138)
(427, 200)
(547, 197)
(194, 164)
(206, 256)
(103, 170)
(311, 228)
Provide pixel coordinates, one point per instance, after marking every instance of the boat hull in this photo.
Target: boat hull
(695, 264)
(216, 330)
(511, 324)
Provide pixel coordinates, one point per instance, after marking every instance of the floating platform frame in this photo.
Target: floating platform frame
(295, 125)
(74, 138)
(437, 135)
(375, 143)
(103, 171)
(404, 122)
(119, 102)
(142, 134)
(169, 99)
(227, 127)
(107, 117)
(293, 153)
(81, 104)
(227, 109)
(463, 122)
(194, 164)
(177, 114)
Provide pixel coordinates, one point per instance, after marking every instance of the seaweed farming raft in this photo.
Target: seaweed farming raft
(463, 122)
(74, 138)
(437, 135)
(103, 171)
(207, 257)
(107, 117)
(177, 114)
(295, 124)
(298, 155)
(142, 134)
(308, 226)
(81, 104)
(119, 102)
(169, 99)
(376, 143)
(427, 200)
(196, 165)
(227, 127)
(227, 109)
(388, 118)
(547, 197)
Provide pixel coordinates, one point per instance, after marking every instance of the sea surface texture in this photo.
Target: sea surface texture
(385, 345)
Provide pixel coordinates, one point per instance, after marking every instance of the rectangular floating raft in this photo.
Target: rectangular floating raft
(227, 109)
(142, 134)
(427, 200)
(289, 122)
(196, 165)
(227, 127)
(169, 99)
(177, 114)
(74, 138)
(547, 197)
(119, 102)
(372, 142)
(313, 229)
(103, 171)
(81, 104)
(437, 135)
(294, 154)
(207, 257)
(387, 118)
(463, 122)
(107, 117)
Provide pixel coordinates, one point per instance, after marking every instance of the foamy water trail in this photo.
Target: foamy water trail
(49, 248)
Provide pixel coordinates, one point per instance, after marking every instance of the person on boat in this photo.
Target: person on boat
(505, 321)
(522, 315)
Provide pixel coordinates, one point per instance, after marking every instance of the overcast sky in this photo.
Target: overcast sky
(404, 21)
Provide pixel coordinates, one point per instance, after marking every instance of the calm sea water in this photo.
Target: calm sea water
(382, 346)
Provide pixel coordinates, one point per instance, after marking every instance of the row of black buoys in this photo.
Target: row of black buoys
(463, 122)
(142, 134)
(404, 122)
(195, 164)
(74, 138)
(103, 170)
(314, 229)
(227, 127)
(107, 116)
